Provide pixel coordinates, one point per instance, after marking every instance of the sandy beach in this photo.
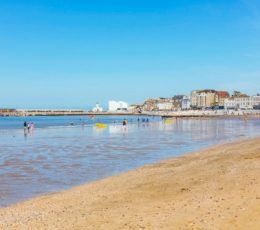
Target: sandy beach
(216, 188)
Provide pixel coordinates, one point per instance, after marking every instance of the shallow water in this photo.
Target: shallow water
(52, 159)
(64, 121)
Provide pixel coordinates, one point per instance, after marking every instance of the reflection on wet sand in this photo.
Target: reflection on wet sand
(48, 160)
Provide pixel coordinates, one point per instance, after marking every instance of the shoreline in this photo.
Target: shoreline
(192, 191)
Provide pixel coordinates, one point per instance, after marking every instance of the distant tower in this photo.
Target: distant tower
(97, 108)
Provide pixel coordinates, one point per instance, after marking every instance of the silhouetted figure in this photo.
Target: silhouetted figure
(29, 127)
(25, 128)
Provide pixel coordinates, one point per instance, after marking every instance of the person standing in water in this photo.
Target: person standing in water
(29, 127)
(124, 124)
(25, 127)
(32, 126)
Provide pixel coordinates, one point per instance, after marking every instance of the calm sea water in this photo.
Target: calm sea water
(63, 121)
(57, 156)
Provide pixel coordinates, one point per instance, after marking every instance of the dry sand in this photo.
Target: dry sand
(217, 188)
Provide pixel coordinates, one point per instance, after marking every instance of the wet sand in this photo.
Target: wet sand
(216, 188)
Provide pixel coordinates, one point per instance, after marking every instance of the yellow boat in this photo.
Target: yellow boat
(101, 125)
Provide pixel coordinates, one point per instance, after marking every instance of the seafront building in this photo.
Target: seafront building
(164, 106)
(238, 103)
(175, 103)
(242, 101)
(115, 106)
(220, 97)
(208, 98)
(150, 105)
(185, 103)
(135, 108)
(203, 98)
(256, 101)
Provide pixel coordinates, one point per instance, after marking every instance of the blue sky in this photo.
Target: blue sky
(73, 53)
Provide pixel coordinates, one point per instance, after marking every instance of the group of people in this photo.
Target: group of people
(28, 126)
(143, 120)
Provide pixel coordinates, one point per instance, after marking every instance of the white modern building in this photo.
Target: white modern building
(114, 106)
(97, 108)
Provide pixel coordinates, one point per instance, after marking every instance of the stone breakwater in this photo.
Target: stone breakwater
(186, 113)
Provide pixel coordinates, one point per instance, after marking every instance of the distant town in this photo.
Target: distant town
(198, 100)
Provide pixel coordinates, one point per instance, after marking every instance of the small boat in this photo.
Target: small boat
(101, 125)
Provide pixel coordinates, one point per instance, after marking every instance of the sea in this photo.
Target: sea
(66, 151)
